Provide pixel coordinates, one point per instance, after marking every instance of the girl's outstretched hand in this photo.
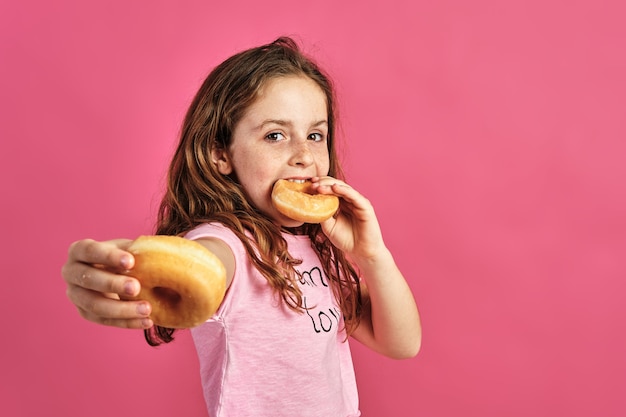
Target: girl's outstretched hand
(354, 229)
(94, 276)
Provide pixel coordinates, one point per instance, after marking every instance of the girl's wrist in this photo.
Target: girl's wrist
(376, 259)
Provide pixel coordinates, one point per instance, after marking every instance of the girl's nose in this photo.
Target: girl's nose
(302, 155)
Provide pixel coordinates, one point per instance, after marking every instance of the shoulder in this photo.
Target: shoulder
(216, 231)
(221, 241)
(208, 229)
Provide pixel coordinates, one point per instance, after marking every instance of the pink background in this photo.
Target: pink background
(490, 135)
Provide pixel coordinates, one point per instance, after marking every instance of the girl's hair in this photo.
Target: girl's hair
(197, 193)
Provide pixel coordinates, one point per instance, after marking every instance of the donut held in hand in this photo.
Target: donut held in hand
(183, 281)
(298, 201)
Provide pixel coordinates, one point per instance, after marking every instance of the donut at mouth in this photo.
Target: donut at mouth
(298, 201)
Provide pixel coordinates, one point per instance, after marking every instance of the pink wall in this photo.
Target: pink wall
(490, 136)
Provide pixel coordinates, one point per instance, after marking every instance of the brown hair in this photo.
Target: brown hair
(197, 193)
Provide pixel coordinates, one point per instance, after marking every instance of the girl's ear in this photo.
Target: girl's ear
(221, 159)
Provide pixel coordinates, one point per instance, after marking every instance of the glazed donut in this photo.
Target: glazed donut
(297, 201)
(182, 280)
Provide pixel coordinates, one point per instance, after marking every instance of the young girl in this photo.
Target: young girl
(277, 345)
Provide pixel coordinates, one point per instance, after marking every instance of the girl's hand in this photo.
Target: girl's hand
(354, 229)
(93, 273)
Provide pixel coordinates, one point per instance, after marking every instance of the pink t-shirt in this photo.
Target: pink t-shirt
(259, 358)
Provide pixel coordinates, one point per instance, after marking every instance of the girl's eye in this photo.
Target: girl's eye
(317, 137)
(275, 136)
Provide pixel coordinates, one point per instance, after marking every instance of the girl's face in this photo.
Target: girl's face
(282, 135)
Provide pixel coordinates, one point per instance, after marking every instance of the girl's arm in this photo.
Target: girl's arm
(95, 281)
(390, 323)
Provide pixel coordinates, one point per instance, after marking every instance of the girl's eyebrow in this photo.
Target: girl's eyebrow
(287, 123)
(273, 122)
(320, 123)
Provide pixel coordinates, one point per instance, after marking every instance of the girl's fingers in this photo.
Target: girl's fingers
(97, 266)
(140, 323)
(329, 185)
(109, 310)
(94, 273)
(100, 280)
(109, 254)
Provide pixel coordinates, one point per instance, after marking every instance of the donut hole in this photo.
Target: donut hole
(167, 295)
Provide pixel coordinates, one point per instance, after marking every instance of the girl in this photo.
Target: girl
(296, 291)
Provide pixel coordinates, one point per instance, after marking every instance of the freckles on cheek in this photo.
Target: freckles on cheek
(255, 179)
(324, 169)
(323, 161)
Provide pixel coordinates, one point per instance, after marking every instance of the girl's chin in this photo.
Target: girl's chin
(280, 219)
(287, 222)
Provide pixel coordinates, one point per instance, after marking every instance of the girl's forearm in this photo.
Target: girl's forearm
(393, 315)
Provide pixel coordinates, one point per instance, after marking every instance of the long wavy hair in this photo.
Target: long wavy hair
(197, 193)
